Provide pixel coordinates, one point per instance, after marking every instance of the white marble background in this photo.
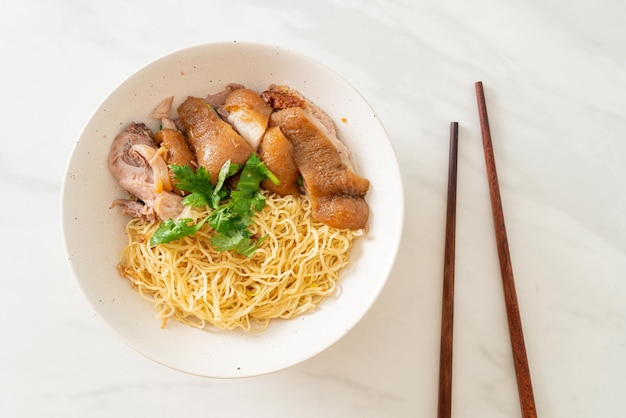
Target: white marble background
(555, 80)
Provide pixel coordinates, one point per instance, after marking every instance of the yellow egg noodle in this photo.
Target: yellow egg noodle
(291, 272)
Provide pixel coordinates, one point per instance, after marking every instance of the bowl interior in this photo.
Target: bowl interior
(94, 233)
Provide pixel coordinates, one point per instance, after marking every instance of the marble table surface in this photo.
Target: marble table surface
(555, 81)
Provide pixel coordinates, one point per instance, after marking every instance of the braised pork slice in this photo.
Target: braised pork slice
(178, 151)
(140, 170)
(249, 114)
(335, 190)
(216, 100)
(283, 97)
(162, 111)
(276, 152)
(213, 140)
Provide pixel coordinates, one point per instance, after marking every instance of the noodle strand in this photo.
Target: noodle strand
(291, 272)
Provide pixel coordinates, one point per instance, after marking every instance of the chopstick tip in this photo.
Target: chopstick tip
(454, 129)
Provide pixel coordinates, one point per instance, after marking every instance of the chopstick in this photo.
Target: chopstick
(447, 307)
(522, 372)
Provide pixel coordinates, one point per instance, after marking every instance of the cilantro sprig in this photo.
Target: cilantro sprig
(172, 230)
(233, 210)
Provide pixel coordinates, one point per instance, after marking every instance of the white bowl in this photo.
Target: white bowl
(94, 234)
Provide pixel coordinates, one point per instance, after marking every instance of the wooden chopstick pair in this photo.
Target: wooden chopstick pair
(522, 372)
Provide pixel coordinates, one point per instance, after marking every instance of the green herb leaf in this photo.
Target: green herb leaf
(253, 173)
(198, 183)
(196, 200)
(225, 220)
(227, 170)
(244, 201)
(187, 180)
(230, 220)
(171, 230)
(236, 241)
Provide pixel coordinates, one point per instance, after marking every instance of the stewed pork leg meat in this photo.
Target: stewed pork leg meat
(135, 163)
(335, 190)
(213, 140)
